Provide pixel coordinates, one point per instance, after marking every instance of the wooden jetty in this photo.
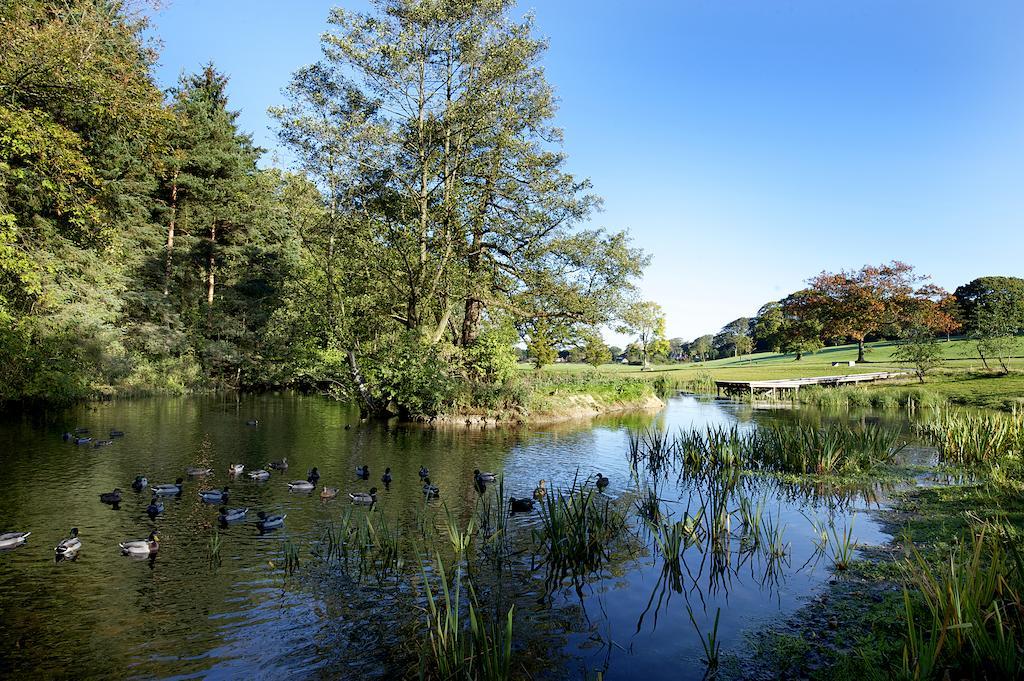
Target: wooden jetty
(774, 387)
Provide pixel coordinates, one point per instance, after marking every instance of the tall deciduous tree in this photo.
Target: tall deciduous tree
(645, 320)
(855, 304)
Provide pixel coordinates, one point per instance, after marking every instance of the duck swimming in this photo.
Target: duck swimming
(431, 491)
(483, 477)
(252, 422)
(281, 465)
(141, 547)
(540, 492)
(363, 472)
(140, 483)
(424, 473)
(70, 546)
(300, 486)
(117, 433)
(9, 540)
(259, 474)
(213, 496)
(386, 478)
(194, 472)
(523, 505)
(111, 497)
(602, 482)
(313, 476)
(269, 522)
(364, 497)
(155, 508)
(102, 443)
(236, 469)
(167, 490)
(83, 440)
(328, 492)
(230, 515)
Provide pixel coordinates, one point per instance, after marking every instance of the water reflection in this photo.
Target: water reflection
(632, 612)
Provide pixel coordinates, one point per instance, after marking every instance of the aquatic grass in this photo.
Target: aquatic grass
(709, 642)
(971, 439)
(972, 620)
(481, 651)
(291, 557)
(213, 550)
(842, 545)
(577, 527)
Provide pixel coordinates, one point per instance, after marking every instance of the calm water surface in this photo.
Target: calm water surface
(176, 617)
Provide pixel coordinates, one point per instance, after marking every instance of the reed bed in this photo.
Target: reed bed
(970, 439)
(783, 448)
(577, 527)
(968, 621)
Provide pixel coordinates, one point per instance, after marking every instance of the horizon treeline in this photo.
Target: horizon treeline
(430, 223)
(878, 302)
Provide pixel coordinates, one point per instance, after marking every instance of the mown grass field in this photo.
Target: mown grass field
(962, 379)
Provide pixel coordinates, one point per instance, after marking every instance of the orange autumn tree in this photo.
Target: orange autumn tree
(876, 298)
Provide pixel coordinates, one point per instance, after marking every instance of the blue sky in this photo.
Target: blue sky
(747, 144)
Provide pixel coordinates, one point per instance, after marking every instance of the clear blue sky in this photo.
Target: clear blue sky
(747, 144)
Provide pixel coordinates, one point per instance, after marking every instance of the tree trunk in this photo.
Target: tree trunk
(210, 266)
(170, 234)
(860, 350)
(799, 355)
(982, 355)
(471, 321)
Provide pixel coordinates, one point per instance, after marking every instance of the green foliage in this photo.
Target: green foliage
(921, 351)
(492, 356)
(409, 376)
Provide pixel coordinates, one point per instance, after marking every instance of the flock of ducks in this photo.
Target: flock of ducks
(69, 547)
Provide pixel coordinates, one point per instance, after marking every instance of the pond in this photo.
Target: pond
(242, 612)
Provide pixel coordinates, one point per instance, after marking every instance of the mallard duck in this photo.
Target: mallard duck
(281, 465)
(386, 478)
(523, 505)
(541, 491)
(81, 431)
(167, 490)
(102, 443)
(117, 433)
(195, 472)
(230, 515)
(214, 496)
(155, 508)
(69, 546)
(313, 476)
(602, 481)
(431, 491)
(483, 477)
(236, 469)
(83, 440)
(363, 472)
(8, 540)
(111, 497)
(328, 492)
(252, 422)
(424, 473)
(67, 436)
(364, 497)
(140, 483)
(141, 547)
(269, 522)
(259, 474)
(300, 486)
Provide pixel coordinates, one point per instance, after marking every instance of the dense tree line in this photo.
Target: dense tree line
(430, 226)
(889, 301)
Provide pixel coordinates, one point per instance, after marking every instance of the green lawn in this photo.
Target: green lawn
(961, 380)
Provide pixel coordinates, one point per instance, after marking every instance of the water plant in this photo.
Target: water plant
(973, 438)
(577, 527)
(709, 642)
(972, 621)
(842, 545)
(213, 549)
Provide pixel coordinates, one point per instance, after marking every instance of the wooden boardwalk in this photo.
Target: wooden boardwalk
(773, 387)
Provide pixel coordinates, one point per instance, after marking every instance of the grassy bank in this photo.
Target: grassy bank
(962, 379)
